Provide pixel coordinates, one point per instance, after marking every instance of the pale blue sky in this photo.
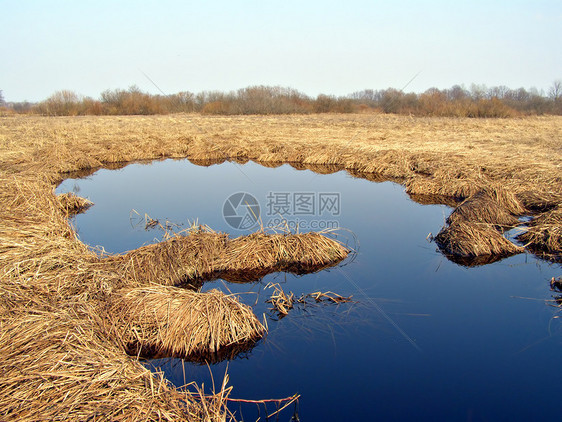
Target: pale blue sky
(314, 46)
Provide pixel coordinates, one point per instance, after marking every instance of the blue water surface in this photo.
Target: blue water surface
(426, 339)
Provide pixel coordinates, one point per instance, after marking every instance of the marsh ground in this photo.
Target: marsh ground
(50, 287)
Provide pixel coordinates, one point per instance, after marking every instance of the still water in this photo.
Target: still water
(426, 339)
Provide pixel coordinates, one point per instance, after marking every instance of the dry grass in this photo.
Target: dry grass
(64, 344)
(200, 254)
(295, 253)
(437, 188)
(280, 301)
(56, 369)
(58, 365)
(488, 206)
(168, 321)
(62, 360)
(474, 229)
(283, 302)
(72, 204)
(539, 201)
(473, 240)
(544, 234)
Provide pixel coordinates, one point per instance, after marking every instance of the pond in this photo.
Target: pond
(424, 339)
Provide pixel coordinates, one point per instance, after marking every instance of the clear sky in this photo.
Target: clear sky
(332, 47)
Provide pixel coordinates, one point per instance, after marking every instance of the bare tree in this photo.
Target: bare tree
(2, 102)
(555, 91)
(457, 93)
(478, 92)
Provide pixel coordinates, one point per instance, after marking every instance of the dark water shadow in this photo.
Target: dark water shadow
(228, 353)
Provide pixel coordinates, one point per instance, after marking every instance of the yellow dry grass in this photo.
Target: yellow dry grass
(283, 302)
(474, 229)
(200, 254)
(474, 240)
(57, 367)
(168, 321)
(492, 206)
(72, 204)
(57, 302)
(544, 235)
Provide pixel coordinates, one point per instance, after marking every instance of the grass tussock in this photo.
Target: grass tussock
(474, 228)
(502, 196)
(161, 321)
(488, 206)
(451, 190)
(73, 204)
(299, 253)
(544, 234)
(474, 240)
(202, 255)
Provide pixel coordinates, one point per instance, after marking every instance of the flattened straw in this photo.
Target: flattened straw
(471, 240)
(481, 208)
(73, 204)
(205, 255)
(543, 234)
(168, 321)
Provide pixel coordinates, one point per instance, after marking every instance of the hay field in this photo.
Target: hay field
(520, 153)
(62, 335)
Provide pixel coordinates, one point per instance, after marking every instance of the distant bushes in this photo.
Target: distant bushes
(255, 100)
(133, 101)
(62, 103)
(271, 100)
(458, 101)
(478, 101)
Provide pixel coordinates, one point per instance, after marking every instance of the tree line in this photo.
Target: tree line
(457, 101)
